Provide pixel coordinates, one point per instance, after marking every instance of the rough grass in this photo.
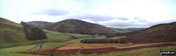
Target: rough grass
(10, 37)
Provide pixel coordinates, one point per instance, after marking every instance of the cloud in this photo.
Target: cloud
(94, 17)
(125, 25)
(122, 18)
(136, 22)
(140, 19)
(117, 22)
(98, 17)
(53, 12)
(121, 24)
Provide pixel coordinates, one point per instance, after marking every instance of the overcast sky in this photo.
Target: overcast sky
(110, 13)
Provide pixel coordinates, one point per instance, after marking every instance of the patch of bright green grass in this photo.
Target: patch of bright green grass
(56, 36)
(59, 37)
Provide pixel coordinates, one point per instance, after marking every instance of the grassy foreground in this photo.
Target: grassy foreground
(13, 50)
(155, 51)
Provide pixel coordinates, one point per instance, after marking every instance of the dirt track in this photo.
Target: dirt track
(98, 50)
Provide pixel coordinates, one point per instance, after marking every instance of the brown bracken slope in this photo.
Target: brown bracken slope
(157, 33)
(78, 26)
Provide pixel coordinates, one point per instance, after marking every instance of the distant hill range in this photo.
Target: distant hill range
(128, 30)
(39, 24)
(78, 26)
(158, 33)
(133, 29)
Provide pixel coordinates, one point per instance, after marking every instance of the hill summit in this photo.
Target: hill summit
(78, 26)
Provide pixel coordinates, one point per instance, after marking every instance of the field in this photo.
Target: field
(55, 39)
(98, 48)
(62, 41)
(75, 44)
(155, 51)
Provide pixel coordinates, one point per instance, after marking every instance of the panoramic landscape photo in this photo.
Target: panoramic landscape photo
(87, 27)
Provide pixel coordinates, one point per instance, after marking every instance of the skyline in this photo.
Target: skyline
(110, 13)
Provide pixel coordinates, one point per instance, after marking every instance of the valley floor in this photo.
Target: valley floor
(74, 44)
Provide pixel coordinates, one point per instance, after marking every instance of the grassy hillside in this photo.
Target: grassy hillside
(8, 22)
(158, 33)
(55, 39)
(11, 34)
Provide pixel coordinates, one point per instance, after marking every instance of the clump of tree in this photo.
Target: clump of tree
(33, 34)
(104, 41)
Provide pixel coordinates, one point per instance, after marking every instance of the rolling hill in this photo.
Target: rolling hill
(78, 26)
(11, 34)
(158, 33)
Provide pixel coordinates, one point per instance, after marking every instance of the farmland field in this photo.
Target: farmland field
(99, 48)
(75, 44)
(62, 41)
(55, 39)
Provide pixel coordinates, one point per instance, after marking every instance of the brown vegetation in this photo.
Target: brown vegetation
(158, 33)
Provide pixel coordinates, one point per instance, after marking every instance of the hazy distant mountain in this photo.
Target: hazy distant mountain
(130, 29)
(158, 33)
(39, 24)
(78, 26)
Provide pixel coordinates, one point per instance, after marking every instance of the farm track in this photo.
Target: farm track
(98, 50)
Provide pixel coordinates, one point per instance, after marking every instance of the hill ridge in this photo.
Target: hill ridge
(79, 26)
